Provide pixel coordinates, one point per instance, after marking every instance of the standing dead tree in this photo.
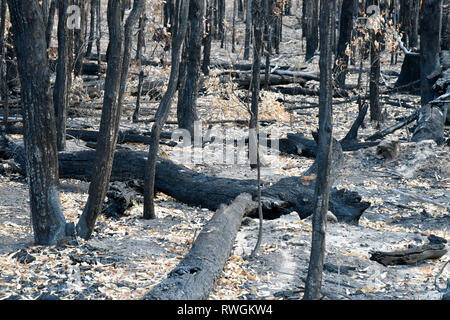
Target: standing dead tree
(324, 155)
(63, 73)
(118, 64)
(48, 221)
(163, 111)
(190, 68)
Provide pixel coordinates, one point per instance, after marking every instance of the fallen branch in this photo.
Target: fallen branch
(381, 134)
(409, 256)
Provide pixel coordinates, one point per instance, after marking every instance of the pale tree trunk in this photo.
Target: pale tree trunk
(322, 190)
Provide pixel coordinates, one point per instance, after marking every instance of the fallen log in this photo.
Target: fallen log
(195, 276)
(197, 189)
(339, 93)
(409, 256)
(128, 136)
(243, 80)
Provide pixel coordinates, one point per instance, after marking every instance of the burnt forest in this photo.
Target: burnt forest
(227, 150)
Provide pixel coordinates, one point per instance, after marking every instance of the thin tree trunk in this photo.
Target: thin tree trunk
(48, 221)
(50, 21)
(187, 96)
(311, 32)
(98, 31)
(248, 23)
(80, 40)
(163, 112)
(345, 33)
(3, 83)
(375, 73)
(63, 74)
(324, 153)
(258, 25)
(91, 28)
(233, 32)
(222, 22)
(109, 124)
(207, 40)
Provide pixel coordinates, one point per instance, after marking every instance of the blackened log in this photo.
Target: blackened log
(195, 276)
(197, 189)
(337, 93)
(244, 80)
(409, 256)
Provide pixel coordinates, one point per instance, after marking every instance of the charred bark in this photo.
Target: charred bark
(41, 157)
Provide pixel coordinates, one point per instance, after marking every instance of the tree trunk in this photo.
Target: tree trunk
(345, 33)
(91, 28)
(248, 23)
(324, 155)
(108, 124)
(3, 83)
(312, 27)
(207, 40)
(375, 73)
(430, 40)
(50, 22)
(163, 112)
(63, 74)
(48, 221)
(80, 39)
(445, 36)
(188, 90)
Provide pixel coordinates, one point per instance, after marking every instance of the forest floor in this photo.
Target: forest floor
(126, 257)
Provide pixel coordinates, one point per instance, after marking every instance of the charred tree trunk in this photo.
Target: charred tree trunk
(98, 9)
(207, 40)
(3, 83)
(49, 23)
(445, 33)
(108, 125)
(188, 91)
(140, 45)
(324, 155)
(312, 27)
(375, 73)
(345, 33)
(91, 28)
(163, 112)
(63, 74)
(80, 39)
(430, 40)
(248, 23)
(221, 16)
(48, 221)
